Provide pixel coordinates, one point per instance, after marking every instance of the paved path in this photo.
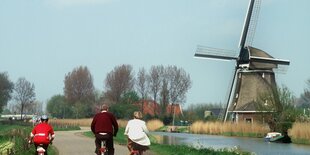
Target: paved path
(73, 142)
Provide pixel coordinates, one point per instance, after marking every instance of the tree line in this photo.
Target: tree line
(122, 88)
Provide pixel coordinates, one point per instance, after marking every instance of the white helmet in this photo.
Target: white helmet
(44, 118)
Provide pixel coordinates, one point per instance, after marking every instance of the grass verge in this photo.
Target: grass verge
(160, 149)
(13, 138)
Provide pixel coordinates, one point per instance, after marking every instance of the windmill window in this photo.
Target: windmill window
(263, 75)
(237, 95)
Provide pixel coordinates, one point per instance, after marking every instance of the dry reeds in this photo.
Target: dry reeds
(216, 128)
(154, 124)
(71, 122)
(245, 129)
(86, 122)
(197, 127)
(300, 133)
(201, 127)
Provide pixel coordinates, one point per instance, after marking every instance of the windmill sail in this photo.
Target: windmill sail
(246, 25)
(253, 23)
(215, 53)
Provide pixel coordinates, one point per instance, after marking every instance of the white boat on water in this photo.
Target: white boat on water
(272, 135)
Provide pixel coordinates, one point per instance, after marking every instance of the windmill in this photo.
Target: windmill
(253, 74)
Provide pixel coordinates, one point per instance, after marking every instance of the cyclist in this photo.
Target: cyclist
(42, 134)
(104, 126)
(136, 131)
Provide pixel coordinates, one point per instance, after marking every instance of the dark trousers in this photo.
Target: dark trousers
(108, 138)
(45, 146)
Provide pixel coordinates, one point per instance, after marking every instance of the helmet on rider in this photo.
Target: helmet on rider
(44, 118)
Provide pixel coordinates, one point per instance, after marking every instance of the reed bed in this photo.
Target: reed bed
(71, 122)
(197, 127)
(85, 122)
(154, 124)
(300, 133)
(229, 129)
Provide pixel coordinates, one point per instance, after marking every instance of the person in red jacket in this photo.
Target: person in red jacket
(42, 134)
(104, 126)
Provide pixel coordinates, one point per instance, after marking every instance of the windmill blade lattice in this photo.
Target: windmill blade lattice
(215, 53)
(253, 23)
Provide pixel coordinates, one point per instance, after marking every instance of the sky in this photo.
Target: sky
(43, 40)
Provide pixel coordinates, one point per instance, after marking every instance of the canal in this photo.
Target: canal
(255, 145)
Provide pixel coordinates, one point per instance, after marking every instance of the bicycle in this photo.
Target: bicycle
(135, 152)
(40, 150)
(103, 150)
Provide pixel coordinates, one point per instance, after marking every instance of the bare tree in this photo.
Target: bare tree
(164, 94)
(141, 83)
(35, 107)
(6, 88)
(154, 81)
(119, 81)
(170, 84)
(179, 83)
(79, 85)
(24, 94)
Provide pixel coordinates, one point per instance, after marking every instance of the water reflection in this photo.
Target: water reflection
(256, 145)
(171, 140)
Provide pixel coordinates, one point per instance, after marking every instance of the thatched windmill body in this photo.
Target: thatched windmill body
(253, 74)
